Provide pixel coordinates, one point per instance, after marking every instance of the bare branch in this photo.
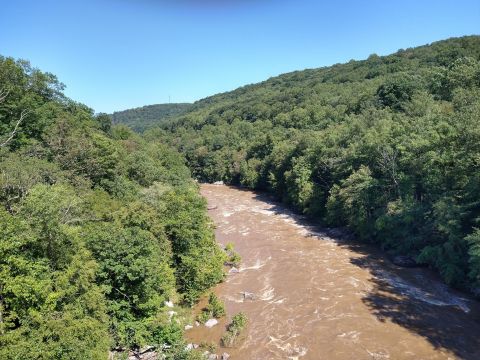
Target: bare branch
(388, 163)
(3, 94)
(12, 134)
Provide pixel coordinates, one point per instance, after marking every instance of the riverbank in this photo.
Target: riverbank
(319, 297)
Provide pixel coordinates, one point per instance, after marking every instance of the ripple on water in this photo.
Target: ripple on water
(440, 296)
(258, 265)
(278, 301)
(350, 335)
(267, 294)
(292, 351)
(378, 355)
(316, 289)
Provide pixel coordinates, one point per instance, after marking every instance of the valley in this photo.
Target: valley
(312, 295)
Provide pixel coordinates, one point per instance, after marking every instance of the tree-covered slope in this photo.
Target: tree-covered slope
(388, 146)
(145, 117)
(98, 229)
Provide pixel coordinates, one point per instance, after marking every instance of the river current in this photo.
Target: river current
(312, 295)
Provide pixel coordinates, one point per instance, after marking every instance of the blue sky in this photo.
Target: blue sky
(118, 54)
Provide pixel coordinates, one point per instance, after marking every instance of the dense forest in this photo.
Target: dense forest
(388, 147)
(105, 240)
(145, 117)
(102, 233)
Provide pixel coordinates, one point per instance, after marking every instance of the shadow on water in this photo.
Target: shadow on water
(415, 299)
(452, 325)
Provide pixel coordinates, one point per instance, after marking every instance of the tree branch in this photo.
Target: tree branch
(15, 129)
(3, 95)
(388, 163)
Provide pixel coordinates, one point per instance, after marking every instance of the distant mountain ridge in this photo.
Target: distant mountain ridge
(142, 118)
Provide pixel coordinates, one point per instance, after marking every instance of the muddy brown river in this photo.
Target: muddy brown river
(316, 296)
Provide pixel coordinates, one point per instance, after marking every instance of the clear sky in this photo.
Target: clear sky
(118, 54)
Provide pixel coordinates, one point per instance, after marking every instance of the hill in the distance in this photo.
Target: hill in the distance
(142, 118)
(388, 147)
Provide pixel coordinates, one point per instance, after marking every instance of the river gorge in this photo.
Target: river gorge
(314, 295)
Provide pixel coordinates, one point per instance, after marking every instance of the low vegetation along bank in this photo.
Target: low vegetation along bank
(388, 147)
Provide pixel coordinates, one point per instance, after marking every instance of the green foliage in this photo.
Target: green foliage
(20, 173)
(474, 252)
(215, 306)
(234, 330)
(99, 229)
(100, 226)
(388, 147)
(166, 333)
(214, 309)
(135, 290)
(354, 201)
(396, 92)
(210, 347)
(299, 180)
(50, 305)
(203, 317)
(104, 122)
(233, 258)
(199, 261)
(145, 117)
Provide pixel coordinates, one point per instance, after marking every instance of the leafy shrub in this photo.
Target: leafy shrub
(214, 309)
(234, 330)
(234, 258)
(215, 306)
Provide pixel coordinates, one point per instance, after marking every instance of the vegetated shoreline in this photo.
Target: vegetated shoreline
(103, 234)
(387, 147)
(343, 235)
(341, 143)
(303, 284)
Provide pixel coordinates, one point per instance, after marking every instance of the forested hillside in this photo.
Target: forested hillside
(100, 230)
(388, 147)
(145, 117)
